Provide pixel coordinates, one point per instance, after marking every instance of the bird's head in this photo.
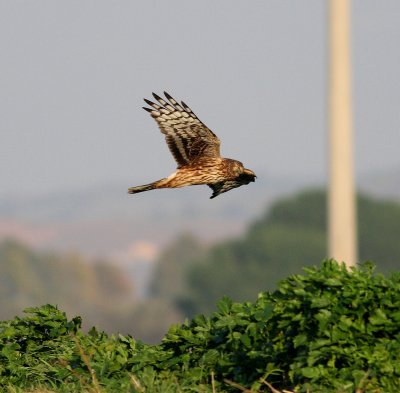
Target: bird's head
(241, 172)
(248, 175)
(244, 173)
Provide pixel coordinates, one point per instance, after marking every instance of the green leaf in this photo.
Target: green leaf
(378, 318)
(224, 305)
(310, 372)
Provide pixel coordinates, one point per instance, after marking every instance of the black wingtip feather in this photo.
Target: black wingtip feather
(185, 106)
(148, 109)
(157, 97)
(148, 101)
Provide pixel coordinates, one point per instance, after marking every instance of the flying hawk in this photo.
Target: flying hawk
(195, 149)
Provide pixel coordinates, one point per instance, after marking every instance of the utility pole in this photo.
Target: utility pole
(342, 232)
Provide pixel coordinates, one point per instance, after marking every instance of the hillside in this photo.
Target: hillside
(290, 235)
(98, 291)
(106, 222)
(191, 276)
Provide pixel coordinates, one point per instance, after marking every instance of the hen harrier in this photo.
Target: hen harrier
(195, 149)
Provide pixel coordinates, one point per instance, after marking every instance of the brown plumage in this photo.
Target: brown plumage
(195, 149)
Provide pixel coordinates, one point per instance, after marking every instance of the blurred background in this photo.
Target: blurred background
(74, 137)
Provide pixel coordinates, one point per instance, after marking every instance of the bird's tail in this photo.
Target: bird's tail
(145, 187)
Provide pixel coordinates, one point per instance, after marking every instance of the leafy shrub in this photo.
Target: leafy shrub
(45, 349)
(329, 330)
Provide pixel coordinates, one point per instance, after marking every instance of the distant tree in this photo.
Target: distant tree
(151, 319)
(379, 229)
(111, 283)
(172, 265)
(98, 291)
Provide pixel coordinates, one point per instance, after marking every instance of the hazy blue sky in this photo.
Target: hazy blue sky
(73, 75)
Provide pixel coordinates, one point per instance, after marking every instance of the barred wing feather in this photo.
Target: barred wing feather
(188, 138)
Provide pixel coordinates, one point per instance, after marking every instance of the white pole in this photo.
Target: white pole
(341, 199)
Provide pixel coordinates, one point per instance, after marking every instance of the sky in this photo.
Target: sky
(73, 75)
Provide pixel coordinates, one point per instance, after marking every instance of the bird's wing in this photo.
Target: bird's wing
(188, 139)
(227, 185)
(224, 186)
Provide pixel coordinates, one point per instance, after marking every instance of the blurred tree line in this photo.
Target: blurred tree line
(190, 277)
(28, 278)
(290, 235)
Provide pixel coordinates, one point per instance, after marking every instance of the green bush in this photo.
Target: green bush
(329, 330)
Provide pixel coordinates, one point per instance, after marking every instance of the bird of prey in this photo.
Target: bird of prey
(195, 149)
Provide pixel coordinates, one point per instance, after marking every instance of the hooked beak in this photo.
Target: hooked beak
(250, 173)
